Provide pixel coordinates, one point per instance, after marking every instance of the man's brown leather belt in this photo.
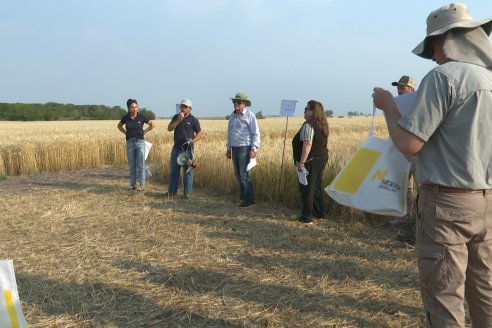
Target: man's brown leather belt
(433, 186)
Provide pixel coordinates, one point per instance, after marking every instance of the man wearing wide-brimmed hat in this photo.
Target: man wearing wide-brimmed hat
(448, 130)
(243, 141)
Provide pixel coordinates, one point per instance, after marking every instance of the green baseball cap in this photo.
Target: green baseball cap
(405, 80)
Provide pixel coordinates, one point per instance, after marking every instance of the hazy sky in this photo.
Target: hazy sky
(160, 51)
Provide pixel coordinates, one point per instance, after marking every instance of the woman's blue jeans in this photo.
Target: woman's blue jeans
(240, 160)
(174, 174)
(135, 152)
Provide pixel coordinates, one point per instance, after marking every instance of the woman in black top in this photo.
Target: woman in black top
(310, 155)
(135, 143)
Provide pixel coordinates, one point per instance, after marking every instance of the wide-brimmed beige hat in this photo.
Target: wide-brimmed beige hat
(440, 21)
(241, 96)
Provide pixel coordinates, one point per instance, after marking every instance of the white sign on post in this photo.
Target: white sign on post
(287, 107)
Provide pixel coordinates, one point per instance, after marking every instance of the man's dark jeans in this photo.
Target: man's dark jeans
(240, 159)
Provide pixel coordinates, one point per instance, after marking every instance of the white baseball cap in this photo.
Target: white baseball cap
(186, 102)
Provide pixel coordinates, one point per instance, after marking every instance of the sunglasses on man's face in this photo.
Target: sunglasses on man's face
(238, 102)
(183, 106)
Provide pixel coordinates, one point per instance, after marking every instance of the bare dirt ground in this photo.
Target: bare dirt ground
(89, 253)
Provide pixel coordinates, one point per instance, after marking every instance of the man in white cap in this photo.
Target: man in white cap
(449, 131)
(187, 132)
(243, 142)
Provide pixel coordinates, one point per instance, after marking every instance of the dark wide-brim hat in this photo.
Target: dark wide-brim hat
(440, 21)
(241, 96)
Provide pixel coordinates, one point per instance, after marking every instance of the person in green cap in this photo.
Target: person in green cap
(406, 84)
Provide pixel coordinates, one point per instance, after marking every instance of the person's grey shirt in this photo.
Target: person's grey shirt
(453, 115)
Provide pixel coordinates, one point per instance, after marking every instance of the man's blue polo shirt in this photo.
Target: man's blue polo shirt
(185, 130)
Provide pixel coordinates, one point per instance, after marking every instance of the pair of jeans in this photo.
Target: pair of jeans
(174, 174)
(312, 195)
(240, 160)
(135, 152)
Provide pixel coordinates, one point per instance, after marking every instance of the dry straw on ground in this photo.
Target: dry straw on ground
(89, 253)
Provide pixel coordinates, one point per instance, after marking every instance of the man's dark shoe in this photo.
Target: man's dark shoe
(247, 203)
(303, 220)
(407, 237)
(407, 234)
(169, 195)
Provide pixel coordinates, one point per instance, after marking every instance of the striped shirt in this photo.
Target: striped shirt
(307, 133)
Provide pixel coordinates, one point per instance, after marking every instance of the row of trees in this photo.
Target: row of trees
(53, 112)
(356, 114)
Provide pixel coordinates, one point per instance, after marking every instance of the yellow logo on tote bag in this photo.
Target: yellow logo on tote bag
(379, 175)
(357, 170)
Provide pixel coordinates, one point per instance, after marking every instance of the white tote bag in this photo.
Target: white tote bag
(374, 180)
(11, 315)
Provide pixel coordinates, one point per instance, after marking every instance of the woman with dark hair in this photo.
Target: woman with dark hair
(310, 155)
(135, 143)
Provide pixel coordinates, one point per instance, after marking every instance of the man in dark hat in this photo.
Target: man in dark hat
(243, 142)
(448, 130)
